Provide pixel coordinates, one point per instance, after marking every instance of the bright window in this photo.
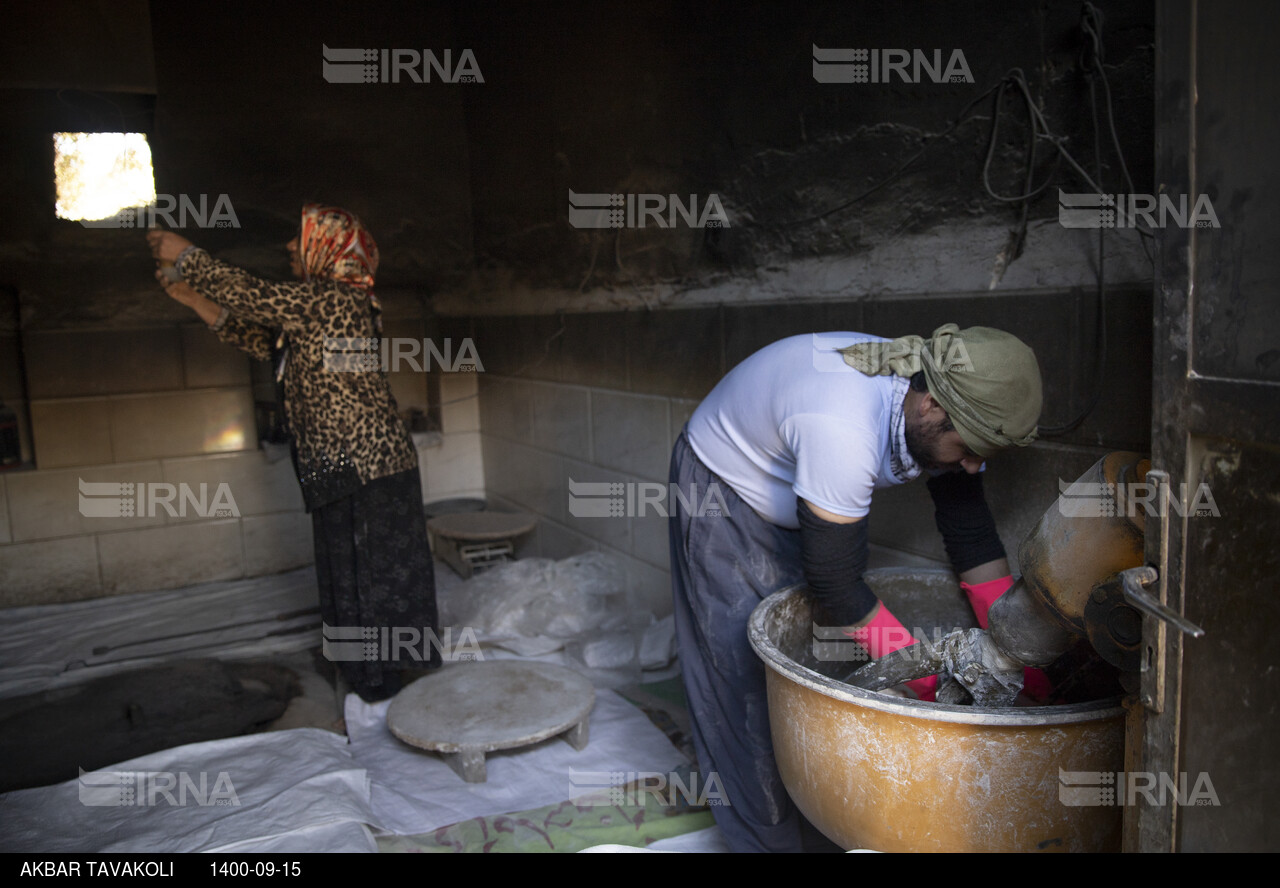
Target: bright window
(99, 174)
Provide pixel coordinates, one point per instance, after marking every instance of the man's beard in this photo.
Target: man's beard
(922, 443)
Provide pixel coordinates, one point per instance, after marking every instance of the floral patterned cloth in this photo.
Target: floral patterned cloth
(629, 814)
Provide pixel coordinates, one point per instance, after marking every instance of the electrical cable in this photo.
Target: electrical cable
(1091, 24)
(1101, 333)
(901, 167)
(1091, 65)
(1017, 78)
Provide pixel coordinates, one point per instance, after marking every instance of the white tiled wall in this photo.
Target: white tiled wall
(452, 466)
(49, 571)
(537, 436)
(170, 557)
(50, 552)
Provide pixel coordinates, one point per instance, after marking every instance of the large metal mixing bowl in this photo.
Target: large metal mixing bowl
(892, 774)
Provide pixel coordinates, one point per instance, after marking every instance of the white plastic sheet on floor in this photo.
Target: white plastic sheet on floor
(55, 645)
(49, 646)
(704, 841)
(308, 790)
(290, 791)
(298, 790)
(415, 791)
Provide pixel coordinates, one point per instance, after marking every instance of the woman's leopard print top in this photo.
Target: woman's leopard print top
(343, 418)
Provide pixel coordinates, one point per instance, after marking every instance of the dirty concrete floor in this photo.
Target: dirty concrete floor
(46, 737)
(318, 703)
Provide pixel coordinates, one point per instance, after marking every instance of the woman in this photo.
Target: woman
(354, 459)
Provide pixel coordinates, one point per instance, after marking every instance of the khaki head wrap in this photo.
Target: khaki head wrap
(987, 380)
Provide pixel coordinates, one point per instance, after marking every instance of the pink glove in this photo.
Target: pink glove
(883, 634)
(1035, 684)
(983, 595)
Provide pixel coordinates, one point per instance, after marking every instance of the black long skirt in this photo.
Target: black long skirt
(374, 569)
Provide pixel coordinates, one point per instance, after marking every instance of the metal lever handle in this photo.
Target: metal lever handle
(1134, 579)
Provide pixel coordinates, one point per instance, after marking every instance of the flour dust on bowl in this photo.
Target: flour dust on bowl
(890, 774)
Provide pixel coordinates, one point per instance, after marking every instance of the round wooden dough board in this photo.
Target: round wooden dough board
(468, 709)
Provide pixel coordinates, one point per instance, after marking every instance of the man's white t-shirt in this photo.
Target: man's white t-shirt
(795, 420)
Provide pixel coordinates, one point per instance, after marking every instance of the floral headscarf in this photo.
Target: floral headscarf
(333, 245)
(336, 246)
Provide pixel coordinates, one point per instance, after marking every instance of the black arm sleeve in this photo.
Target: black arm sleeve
(834, 558)
(967, 528)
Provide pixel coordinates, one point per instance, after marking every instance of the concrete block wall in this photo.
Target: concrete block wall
(95, 420)
(449, 458)
(50, 552)
(452, 463)
(601, 397)
(119, 396)
(147, 406)
(538, 436)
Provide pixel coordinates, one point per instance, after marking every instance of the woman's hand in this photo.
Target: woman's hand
(182, 292)
(179, 291)
(166, 246)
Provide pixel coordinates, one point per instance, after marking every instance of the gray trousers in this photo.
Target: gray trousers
(722, 566)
